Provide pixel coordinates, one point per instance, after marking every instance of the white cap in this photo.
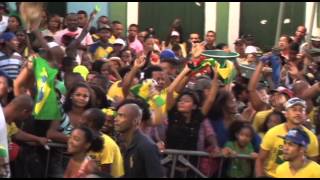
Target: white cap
(315, 35)
(120, 41)
(250, 50)
(175, 33)
(52, 44)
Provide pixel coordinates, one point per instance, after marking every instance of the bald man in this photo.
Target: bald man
(141, 156)
(18, 110)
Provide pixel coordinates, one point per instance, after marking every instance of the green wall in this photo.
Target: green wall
(222, 22)
(118, 11)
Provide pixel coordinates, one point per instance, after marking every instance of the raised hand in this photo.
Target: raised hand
(140, 61)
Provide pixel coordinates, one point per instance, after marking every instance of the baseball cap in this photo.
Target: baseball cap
(315, 38)
(105, 26)
(295, 101)
(297, 136)
(120, 41)
(283, 90)
(7, 36)
(175, 33)
(251, 50)
(82, 70)
(168, 54)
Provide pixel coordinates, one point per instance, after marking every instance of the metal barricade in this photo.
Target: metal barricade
(173, 155)
(179, 156)
(48, 148)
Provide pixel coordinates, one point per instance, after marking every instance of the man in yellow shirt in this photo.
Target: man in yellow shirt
(102, 48)
(297, 165)
(271, 154)
(109, 159)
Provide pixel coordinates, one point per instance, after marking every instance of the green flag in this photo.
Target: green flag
(46, 103)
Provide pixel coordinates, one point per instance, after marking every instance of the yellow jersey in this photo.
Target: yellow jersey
(110, 155)
(311, 170)
(272, 143)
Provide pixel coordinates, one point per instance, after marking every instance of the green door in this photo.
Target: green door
(59, 8)
(160, 15)
(260, 20)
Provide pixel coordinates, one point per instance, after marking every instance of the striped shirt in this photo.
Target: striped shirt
(10, 65)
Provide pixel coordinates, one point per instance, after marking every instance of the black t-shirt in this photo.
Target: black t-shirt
(182, 135)
(142, 158)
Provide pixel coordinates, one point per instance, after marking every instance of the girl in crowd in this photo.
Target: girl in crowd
(78, 99)
(240, 144)
(81, 141)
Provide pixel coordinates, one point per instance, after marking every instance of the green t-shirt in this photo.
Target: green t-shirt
(237, 167)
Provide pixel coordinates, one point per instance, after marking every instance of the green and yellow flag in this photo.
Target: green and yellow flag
(143, 91)
(46, 107)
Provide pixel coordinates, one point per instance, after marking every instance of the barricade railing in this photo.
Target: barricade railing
(175, 156)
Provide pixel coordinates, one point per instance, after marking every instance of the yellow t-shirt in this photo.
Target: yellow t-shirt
(311, 170)
(12, 129)
(272, 143)
(110, 155)
(115, 92)
(101, 52)
(259, 119)
(112, 39)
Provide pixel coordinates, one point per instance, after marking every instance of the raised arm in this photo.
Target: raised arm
(172, 88)
(255, 99)
(76, 43)
(212, 93)
(23, 80)
(127, 81)
(311, 92)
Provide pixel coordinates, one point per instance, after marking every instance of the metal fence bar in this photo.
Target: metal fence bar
(173, 168)
(173, 155)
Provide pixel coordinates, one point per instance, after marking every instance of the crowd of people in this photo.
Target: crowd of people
(117, 100)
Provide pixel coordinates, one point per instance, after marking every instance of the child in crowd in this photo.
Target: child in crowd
(240, 145)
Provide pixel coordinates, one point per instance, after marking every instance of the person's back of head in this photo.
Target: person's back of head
(97, 118)
(71, 79)
(100, 81)
(21, 103)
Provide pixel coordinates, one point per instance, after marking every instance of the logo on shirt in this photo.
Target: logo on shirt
(131, 161)
(279, 157)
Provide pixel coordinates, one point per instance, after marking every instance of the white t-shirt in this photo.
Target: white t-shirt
(4, 24)
(86, 41)
(4, 136)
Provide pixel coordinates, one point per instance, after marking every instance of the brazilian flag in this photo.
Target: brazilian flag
(143, 91)
(46, 107)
